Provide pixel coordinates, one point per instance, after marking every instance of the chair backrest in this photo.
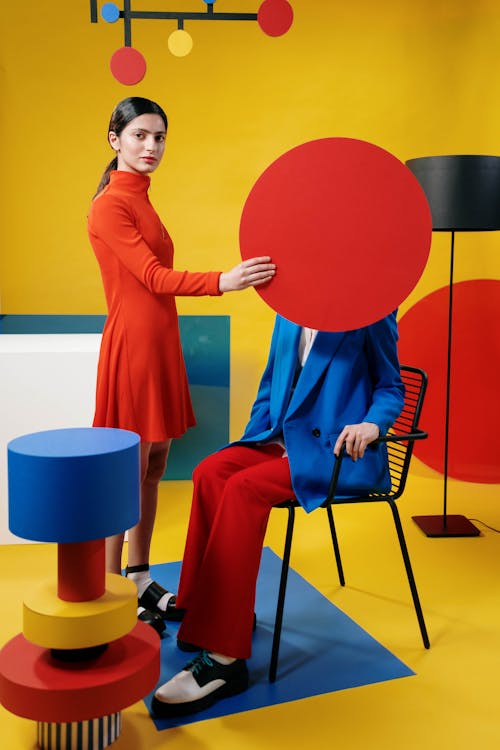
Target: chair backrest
(415, 383)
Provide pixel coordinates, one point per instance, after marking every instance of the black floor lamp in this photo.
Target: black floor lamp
(464, 196)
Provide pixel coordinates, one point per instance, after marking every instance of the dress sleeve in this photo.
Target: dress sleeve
(111, 223)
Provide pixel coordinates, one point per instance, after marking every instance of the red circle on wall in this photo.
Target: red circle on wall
(348, 226)
(128, 66)
(275, 17)
(473, 443)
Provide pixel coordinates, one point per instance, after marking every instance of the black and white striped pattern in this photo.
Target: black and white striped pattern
(93, 734)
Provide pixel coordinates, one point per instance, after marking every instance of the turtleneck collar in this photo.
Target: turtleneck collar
(137, 182)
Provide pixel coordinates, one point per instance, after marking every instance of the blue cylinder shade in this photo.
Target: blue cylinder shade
(73, 485)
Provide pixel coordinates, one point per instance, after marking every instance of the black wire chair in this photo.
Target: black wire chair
(400, 440)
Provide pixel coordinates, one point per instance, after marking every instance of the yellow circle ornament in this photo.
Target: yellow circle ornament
(180, 43)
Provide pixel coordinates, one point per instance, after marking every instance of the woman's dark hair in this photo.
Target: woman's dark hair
(124, 112)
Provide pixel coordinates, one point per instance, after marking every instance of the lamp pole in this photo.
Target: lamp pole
(464, 195)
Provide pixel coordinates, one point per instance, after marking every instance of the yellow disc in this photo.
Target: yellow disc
(51, 622)
(180, 43)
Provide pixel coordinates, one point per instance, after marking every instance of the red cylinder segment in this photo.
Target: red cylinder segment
(81, 570)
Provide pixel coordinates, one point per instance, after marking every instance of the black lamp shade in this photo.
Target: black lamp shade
(463, 191)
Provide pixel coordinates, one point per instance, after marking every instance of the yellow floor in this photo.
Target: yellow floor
(452, 702)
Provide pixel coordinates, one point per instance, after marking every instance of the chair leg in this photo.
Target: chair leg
(409, 573)
(281, 595)
(336, 547)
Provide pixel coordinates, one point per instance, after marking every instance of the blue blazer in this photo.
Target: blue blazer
(348, 378)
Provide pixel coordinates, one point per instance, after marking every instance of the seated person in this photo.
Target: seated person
(318, 390)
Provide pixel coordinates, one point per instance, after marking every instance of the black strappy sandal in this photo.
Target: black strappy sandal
(152, 595)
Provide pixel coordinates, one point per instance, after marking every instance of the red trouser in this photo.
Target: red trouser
(234, 491)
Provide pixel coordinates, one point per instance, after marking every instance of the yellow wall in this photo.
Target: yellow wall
(417, 77)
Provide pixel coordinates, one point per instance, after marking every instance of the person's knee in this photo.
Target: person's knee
(240, 486)
(245, 490)
(155, 468)
(209, 468)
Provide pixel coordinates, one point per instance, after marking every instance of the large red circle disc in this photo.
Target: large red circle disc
(348, 226)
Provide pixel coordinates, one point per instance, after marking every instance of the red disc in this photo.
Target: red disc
(275, 17)
(35, 685)
(349, 228)
(128, 66)
(473, 444)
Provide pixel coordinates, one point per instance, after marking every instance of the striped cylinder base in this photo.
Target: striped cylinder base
(94, 734)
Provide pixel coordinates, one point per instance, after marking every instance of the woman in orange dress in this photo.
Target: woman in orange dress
(141, 379)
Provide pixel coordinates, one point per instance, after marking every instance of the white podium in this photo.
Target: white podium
(47, 381)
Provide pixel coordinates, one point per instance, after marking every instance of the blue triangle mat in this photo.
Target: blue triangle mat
(322, 650)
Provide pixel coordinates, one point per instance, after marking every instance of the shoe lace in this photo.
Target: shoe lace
(199, 662)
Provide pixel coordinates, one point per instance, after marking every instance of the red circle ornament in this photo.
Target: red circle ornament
(128, 66)
(275, 17)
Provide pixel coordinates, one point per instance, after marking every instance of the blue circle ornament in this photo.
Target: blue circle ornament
(110, 12)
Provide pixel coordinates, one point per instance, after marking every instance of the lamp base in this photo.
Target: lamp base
(440, 526)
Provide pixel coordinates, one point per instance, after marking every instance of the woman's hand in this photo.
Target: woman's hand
(356, 438)
(251, 272)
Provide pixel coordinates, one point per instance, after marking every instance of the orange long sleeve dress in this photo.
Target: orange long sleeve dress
(141, 378)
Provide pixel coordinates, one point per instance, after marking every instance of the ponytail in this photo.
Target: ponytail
(113, 164)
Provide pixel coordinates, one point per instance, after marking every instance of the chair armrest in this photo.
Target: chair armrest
(416, 435)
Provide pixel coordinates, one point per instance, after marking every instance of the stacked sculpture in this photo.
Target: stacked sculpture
(82, 656)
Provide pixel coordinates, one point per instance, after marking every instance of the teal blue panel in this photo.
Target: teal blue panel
(51, 323)
(205, 343)
(211, 406)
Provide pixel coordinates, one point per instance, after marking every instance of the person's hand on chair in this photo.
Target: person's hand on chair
(356, 438)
